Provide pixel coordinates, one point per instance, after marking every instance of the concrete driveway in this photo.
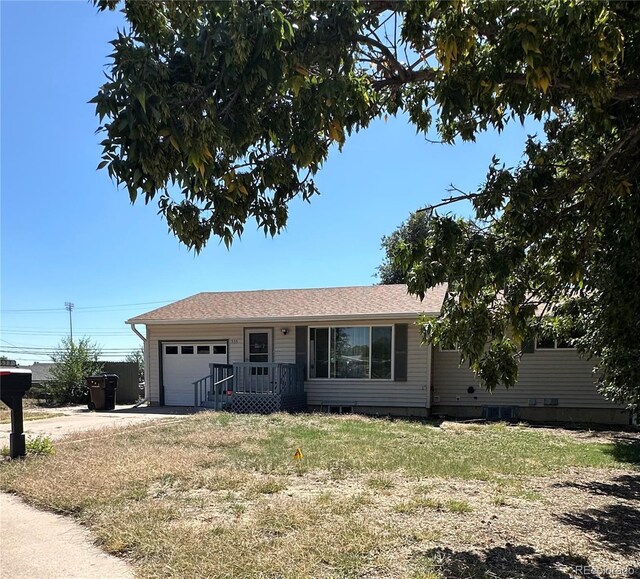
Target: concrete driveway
(79, 418)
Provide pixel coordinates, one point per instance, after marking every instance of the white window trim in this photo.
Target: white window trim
(370, 326)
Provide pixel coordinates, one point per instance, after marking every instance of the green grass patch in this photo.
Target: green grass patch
(414, 505)
(380, 483)
(342, 446)
(410, 507)
(454, 506)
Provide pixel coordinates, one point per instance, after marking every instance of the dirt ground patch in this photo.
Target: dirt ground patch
(534, 527)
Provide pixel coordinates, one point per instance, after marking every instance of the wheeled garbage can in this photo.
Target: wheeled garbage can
(102, 391)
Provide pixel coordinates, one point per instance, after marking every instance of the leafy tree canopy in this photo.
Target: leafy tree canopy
(233, 107)
(412, 232)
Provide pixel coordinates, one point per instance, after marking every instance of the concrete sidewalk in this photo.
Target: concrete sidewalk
(41, 545)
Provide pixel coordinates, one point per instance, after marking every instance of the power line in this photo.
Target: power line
(53, 334)
(60, 349)
(57, 348)
(86, 307)
(79, 328)
(39, 350)
(60, 332)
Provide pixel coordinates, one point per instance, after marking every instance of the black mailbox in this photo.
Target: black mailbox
(14, 382)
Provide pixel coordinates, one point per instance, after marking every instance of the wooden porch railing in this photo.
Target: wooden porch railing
(213, 388)
(247, 378)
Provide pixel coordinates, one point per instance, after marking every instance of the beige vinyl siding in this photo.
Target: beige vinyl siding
(414, 393)
(283, 346)
(544, 374)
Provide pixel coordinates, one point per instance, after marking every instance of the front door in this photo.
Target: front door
(258, 345)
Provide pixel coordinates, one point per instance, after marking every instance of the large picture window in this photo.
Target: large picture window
(357, 352)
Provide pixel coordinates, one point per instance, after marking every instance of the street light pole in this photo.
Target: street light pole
(69, 306)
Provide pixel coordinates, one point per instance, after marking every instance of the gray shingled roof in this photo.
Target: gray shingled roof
(41, 371)
(375, 301)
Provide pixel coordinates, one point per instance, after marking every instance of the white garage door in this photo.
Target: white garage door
(184, 363)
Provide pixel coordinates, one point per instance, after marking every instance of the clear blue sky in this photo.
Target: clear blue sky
(68, 234)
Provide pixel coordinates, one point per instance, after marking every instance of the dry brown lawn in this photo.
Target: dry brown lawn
(219, 495)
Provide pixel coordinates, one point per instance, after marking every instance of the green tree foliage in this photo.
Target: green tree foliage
(232, 107)
(413, 231)
(137, 357)
(74, 361)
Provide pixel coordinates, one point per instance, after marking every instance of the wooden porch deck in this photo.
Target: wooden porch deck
(249, 387)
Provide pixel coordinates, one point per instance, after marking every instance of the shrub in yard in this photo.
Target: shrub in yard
(74, 361)
(40, 446)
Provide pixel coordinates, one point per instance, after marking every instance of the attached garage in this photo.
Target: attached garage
(185, 362)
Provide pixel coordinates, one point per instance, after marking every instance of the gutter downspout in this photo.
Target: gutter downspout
(146, 358)
(135, 331)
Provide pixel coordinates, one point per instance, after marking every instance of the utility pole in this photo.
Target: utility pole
(69, 307)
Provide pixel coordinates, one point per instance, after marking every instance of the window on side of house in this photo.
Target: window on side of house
(545, 343)
(550, 343)
(447, 348)
(351, 352)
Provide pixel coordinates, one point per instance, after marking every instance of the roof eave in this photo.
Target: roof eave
(282, 319)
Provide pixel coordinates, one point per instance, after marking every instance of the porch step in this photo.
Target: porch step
(212, 398)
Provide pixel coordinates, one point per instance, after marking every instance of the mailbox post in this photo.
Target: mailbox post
(14, 382)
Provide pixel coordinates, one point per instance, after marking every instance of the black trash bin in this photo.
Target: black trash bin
(102, 391)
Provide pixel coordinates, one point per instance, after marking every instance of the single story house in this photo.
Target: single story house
(341, 350)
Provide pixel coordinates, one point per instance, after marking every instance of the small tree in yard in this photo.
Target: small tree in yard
(74, 361)
(137, 356)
